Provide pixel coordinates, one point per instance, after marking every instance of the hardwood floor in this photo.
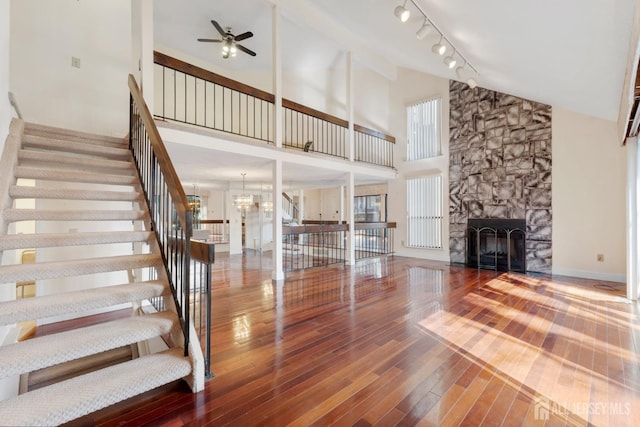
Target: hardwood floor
(400, 341)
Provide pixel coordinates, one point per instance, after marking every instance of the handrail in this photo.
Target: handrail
(374, 133)
(14, 104)
(373, 225)
(171, 177)
(193, 70)
(171, 219)
(301, 229)
(214, 221)
(286, 103)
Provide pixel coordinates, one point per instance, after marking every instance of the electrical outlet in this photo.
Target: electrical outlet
(75, 62)
(600, 257)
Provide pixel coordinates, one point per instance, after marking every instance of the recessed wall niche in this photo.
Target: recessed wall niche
(500, 167)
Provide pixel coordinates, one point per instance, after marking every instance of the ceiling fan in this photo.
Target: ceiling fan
(230, 41)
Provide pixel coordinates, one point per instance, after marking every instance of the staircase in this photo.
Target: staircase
(91, 240)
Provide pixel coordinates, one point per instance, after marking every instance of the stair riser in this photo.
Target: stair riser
(14, 215)
(24, 241)
(41, 158)
(70, 135)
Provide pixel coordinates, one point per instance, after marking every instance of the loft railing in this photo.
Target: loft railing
(202, 259)
(310, 246)
(193, 95)
(171, 218)
(373, 239)
(373, 147)
(313, 130)
(199, 97)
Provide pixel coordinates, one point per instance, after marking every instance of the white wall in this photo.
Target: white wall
(5, 108)
(44, 37)
(589, 187)
(410, 87)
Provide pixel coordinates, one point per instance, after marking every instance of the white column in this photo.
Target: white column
(351, 247)
(142, 47)
(342, 204)
(277, 273)
(277, 77)
(350, 111)
(633, 186)
(300, 206)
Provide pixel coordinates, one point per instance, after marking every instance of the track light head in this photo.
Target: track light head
(424, 30)
(450, 61)
(402, 12)
(460, 72)
(472, 82)
(439, 48)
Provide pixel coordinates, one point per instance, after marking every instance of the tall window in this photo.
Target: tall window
(423, 129)
(424, 211)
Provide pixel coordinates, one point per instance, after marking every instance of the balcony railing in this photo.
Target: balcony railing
(189, 94)
(373, 239)
(308, 246)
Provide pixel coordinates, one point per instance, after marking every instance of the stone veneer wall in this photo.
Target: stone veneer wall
(500, 167)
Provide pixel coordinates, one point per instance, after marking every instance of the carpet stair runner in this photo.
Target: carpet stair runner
(89, 162)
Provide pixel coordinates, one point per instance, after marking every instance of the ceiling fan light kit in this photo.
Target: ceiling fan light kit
(230, 46)
(440, 48)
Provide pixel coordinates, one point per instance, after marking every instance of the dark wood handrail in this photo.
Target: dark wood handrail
(321, 221)
(192, 70)
(286, 196)
(203, 252)
(374, 133)
(213, 221)
(286, 103)
(373, 225)
(169, 174)
(302, 229)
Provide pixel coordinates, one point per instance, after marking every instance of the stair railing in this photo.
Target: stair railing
(171, 217)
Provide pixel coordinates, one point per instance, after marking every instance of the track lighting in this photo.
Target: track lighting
(424, 30)
(440, 48)
(402, 12)
(450, 61)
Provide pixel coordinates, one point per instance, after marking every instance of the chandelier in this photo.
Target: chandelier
(243, 201)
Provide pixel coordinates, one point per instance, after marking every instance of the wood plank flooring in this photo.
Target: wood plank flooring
(401, 341)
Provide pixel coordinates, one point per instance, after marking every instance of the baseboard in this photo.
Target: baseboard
(609, 277)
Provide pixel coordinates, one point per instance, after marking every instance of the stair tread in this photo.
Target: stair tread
(72, 268)
(65, 175)
(79, 396)
(47, 240)
(73, 160)
(42, 307)
(23, 192)
(58, 144)
(38, 129)
(73, 215)
(50, 350)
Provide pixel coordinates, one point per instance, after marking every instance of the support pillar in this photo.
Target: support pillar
(351, 241)
(633, 188)
(278, 272)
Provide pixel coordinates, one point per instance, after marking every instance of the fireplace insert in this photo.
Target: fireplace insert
(496, 244)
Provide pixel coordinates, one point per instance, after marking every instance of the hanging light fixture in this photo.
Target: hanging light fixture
(402, 12)
(243, 201)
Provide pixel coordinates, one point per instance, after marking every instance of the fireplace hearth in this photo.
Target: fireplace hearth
(496, 244)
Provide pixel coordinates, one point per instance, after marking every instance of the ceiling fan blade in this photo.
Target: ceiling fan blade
(245, 50)
(244, 36)
(210, 40)
(219, 28)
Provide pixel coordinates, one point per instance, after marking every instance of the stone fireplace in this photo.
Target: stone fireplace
(499, 169)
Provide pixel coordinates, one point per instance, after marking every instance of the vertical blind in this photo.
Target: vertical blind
(423, 129)
(424, 212)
